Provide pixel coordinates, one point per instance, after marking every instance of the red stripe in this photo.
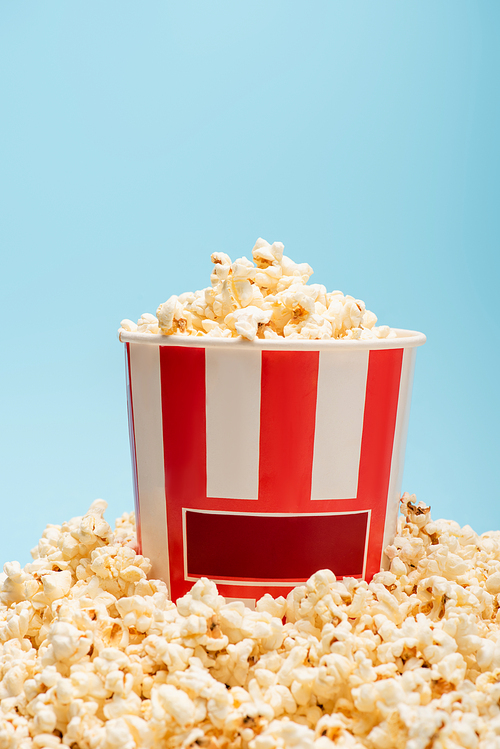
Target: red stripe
(133, 452)
(287, 421)
(182, 373)
(381, 405)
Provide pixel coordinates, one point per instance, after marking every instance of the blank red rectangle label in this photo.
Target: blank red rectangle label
(267, 547)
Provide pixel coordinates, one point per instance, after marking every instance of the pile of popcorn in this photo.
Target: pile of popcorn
(93, 655)
(267, 298)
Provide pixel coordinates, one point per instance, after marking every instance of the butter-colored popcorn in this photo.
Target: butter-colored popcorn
(267, 297)
(93, 654)
(129, 326)
(246, 321)
(148, 323)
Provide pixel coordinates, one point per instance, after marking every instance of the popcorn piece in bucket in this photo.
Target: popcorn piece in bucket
(94, 654)
(267, 297)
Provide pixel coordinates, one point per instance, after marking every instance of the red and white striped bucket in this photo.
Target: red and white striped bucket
(258, 463)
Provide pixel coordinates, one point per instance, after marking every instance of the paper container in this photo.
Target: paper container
(258, 463)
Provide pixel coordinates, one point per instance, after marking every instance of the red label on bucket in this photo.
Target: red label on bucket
(290, 547)
(274, 463)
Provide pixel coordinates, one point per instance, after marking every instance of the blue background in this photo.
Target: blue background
(137, 138)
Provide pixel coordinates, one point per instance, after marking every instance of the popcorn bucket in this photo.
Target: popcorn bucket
(258, 463)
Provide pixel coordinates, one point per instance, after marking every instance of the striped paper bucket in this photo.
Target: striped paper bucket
(258, 463)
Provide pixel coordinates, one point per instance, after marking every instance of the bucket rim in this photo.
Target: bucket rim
(404, 339)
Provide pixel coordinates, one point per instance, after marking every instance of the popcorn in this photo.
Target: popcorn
(266, 298)
(246, 321)
(93, 654)
(147, 323)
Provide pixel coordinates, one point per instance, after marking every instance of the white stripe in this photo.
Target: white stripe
(146, 401)
(340, 409)
(233, 381)
(398, 456)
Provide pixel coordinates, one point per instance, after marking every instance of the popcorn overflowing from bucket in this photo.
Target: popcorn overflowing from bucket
(93, 654)
(267, 298)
